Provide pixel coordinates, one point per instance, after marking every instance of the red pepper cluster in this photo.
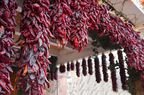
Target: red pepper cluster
(7, 52)
(35, 25)
(90, 67)
(104, 68)
(67, 21)
(122, 69)
(84, 67)
(97, 69)
(113, 72)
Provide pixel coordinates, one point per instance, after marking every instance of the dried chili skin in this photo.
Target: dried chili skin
(7, 52)
(97, 69)
(113, 72)
(104, 68)
(90, 67)
(34, 28)
(84, 67)
(122, 69)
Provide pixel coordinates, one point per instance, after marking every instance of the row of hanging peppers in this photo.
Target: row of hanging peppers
(87, 68)
(68, 21)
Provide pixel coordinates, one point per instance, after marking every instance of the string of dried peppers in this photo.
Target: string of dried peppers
(104, 68)
(113, 72)
(84, 67)
(122, 69)
(7, 52)
(97, 69)
(34, 29)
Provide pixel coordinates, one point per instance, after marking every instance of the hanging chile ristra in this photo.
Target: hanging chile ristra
(104, 68)
(72, 65)
(35, 31)
(113, 72)
(97, 69)
(62, 68)
(68, 66)
(84, 67)
(90, 67)
(7, 52)
(122, 69)
(78, 69)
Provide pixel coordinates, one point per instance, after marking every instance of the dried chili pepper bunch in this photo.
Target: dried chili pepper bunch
(113, 72)
(122, 70)
(35, 24)
(124, 35)
(104, 68)
(97, 69)
(7, 52)
(90, 67)
(78, 69)
(68, 66)
(79, 23)
(60, 20)
(84, 67)
(62, 68)
(119, 32)
(72, 66)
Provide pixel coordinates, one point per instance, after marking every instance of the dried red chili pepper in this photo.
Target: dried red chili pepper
(122, 70)
(113, 72)
(97, 69)
(104, 68)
